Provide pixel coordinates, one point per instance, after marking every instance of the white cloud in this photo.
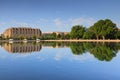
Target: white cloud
(3, 56)
(83, 57)
(42, 21)
(83, 21)
(20, 24)
(75, 21)
(66, 25)
(2, 23)
(58, 22)
(118, 24)
(63, 25)
(58, 57)
(45, 24)
(41, 58)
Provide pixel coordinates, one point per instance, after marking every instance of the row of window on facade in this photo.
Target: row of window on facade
(25, 32)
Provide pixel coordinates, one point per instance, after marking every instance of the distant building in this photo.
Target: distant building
(22, 32)
(57, 33)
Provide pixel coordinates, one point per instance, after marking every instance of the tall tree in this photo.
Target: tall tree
(77, 32)
(108, 29)
(104, 28)
(96, 28)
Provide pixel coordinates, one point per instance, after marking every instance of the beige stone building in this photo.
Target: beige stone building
(22, 32)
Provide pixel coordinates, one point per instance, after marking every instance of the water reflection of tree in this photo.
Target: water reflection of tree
(55, 44)
(77, 48)
(102, 51)
(0, 43)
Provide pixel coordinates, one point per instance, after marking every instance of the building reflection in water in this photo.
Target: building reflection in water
(22, 47)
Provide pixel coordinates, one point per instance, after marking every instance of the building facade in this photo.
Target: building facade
(22, 32)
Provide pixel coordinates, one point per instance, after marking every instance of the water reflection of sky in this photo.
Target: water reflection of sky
(57, 63)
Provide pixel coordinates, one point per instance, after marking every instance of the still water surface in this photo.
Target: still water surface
(59, 61)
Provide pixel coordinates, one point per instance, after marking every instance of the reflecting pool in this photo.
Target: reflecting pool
(59, 61)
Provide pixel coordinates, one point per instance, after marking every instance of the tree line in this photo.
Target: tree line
(102, 29)
(55, 36)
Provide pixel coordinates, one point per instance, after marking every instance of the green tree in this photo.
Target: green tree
(59, 36)
(67, 36)
(33, 37)
(108, 29)
(53, 36)
(117, 34)
(21, 37)
(63, 36)
(104, 28)
(77, 32)
(0, 37)
(88, 35)
(96, 28)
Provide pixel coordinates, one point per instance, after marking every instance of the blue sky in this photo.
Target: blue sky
(56, 15)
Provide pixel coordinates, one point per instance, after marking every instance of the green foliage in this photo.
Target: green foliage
(0, 37)
(54, 36)
(117, 34)
(77, 32)
(48, 37)
(88, 35)
(104, 28)
(63, 36)
(67, 36)
(33, 37)
(20, 37)
(59, 36)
